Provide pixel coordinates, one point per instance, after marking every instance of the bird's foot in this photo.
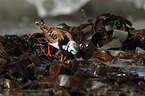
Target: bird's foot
(49, 55)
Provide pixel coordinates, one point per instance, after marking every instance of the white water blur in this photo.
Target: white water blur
(138, 3)
(65, 7)
(57, 7)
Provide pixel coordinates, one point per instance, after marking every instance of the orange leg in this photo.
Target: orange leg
(62, 57)
(48, 54)
(56, 54)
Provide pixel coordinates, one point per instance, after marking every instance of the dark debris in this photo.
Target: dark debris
(24, 63)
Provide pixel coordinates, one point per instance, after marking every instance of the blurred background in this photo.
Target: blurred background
(18, 16)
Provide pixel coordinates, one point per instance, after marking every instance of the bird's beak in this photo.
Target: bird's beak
(38, 23)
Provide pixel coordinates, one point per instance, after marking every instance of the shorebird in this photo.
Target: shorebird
(58, 38)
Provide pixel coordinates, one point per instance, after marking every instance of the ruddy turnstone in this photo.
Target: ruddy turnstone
(58, 38)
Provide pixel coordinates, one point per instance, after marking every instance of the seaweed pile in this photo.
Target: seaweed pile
(110, 54)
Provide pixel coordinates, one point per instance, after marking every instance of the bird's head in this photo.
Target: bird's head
(72, 47)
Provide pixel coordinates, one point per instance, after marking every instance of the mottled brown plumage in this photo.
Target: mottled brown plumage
(58, 38)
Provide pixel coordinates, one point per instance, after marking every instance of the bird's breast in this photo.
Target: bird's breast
(55, 44)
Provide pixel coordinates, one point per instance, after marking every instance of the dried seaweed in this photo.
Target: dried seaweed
(104, 65)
